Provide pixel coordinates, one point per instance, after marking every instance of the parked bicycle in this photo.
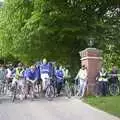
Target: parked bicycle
(112, 89)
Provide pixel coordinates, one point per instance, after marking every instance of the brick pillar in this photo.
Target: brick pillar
(91, 58)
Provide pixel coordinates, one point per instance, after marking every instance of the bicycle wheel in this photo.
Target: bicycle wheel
(21, 93)
(75, 90)
(67, 90)
(97, 90)
(14, 92)
(50, 93)
(31, 92)
(114, 89)
(72, 90)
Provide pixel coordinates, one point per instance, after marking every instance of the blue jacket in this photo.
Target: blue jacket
(32, 75)
(45, 68)
(59, 75)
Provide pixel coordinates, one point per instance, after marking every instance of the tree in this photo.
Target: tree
(58, 29)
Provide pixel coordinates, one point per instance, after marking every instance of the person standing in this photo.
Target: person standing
(82, 78)
(102, 82)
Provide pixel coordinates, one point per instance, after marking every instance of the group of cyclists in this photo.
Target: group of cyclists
(50, 79)
(41, 74)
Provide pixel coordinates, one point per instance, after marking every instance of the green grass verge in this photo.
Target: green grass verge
(107, 104)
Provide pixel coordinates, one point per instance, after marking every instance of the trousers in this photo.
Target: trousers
(83, 84)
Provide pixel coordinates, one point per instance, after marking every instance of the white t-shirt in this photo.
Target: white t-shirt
(82, 74)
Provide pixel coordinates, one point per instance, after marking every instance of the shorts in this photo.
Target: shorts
(45, 80)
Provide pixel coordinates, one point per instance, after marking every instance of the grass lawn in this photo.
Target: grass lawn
(107, 104)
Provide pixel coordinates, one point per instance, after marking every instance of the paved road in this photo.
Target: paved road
(59, 109)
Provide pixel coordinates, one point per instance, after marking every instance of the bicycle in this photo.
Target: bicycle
(114, 89)
(114, 85)
(17, 89)
(76, 88)
(31, 88)
(66, 89)
(50, 90)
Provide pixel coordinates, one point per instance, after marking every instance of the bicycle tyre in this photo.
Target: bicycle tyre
(50, 93)
(14, 91)
(114, 90)
(67, 90)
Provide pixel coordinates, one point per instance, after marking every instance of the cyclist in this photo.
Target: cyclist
(59, 79)
(45, 73)
(31, 77)
(32, 74)
(18, 75)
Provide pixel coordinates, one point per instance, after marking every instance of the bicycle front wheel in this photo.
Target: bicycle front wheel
(114, 89)
(50, 92)
(67, 90)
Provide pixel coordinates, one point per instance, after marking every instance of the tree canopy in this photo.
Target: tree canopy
(59, 29)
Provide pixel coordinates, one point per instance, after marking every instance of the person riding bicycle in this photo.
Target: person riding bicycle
(59, 79)
(18, 75)
(31, 76)
(45, 73)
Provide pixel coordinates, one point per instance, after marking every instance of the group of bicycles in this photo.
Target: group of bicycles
(28, 89)
(111, 88)
(33, 90)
